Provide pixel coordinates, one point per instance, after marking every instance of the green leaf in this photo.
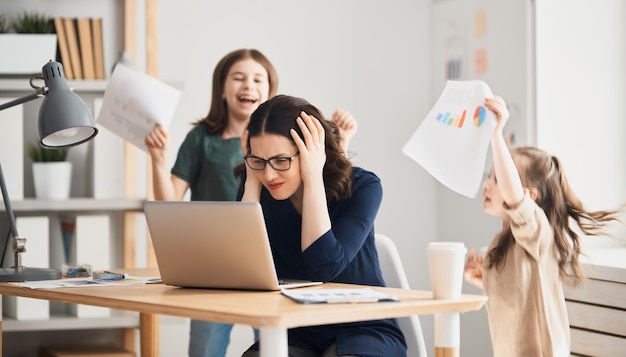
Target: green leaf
(38, 153)
(5, 25)
(33, 22)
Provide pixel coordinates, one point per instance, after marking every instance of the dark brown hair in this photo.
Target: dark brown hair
(278, 116)
(217, 118)
(544, 172)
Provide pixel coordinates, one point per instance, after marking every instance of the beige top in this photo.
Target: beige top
(526, 306)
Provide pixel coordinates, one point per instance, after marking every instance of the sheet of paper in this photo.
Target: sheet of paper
(134, 103)
(336, 296)
(452, 141)
(81, 282)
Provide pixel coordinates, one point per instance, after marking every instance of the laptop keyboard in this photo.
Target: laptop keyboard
(287, 282)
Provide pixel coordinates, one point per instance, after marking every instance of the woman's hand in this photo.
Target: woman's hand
(474, 268)
(311, 146)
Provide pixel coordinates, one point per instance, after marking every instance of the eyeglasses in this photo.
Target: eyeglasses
(277, 163)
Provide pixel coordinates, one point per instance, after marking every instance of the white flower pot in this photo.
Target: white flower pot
(25, 54)
(52, 180)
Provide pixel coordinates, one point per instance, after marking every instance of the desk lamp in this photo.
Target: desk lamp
(64, 121)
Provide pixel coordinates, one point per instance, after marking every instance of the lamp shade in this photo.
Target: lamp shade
(64, 119)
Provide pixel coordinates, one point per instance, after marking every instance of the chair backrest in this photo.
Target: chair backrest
(394, 276)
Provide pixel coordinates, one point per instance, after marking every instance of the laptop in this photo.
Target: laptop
(210, 244)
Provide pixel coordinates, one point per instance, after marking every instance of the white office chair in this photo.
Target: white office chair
(394, 276)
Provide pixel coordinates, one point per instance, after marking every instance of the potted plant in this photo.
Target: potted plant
(52, 174)
(28, 41)
(5, 25)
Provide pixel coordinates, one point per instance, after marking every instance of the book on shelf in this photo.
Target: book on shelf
(63, 49)
(83, 26)
(72, 45)
(98, 51)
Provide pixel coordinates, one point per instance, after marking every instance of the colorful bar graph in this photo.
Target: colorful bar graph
(448, 119)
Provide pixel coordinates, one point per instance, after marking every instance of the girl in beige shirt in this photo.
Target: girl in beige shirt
(536, 250)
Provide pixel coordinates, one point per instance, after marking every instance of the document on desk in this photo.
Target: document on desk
(134, 103)
(336, 296)
(452, 141)
(83, 282)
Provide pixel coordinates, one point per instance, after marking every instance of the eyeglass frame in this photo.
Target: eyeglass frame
(269, 161)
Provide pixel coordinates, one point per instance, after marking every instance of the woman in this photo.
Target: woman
(320, 214)
(242, 80)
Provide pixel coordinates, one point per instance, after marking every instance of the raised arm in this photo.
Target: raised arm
(507, 176)
(315, 217)
(166, 187)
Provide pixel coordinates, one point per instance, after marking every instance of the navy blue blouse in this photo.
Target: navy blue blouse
(345, 254)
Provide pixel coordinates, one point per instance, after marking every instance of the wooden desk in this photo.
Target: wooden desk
(271, 312)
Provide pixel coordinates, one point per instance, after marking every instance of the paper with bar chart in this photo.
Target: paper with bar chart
(452, 141)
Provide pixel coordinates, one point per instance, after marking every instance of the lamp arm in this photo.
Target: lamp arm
(40, 93)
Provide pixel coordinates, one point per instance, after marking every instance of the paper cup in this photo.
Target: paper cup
(446, 261)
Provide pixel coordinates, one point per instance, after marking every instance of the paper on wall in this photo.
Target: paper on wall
(134, 103)
(452, 141)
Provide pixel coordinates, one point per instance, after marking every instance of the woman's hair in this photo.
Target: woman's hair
(278, 116)
(539, 170)
(217, 119)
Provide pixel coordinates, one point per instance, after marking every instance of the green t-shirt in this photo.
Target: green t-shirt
(206, 162)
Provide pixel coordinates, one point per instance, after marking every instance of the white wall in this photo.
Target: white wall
(581, 86)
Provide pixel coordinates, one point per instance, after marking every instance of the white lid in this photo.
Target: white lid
(447, 247)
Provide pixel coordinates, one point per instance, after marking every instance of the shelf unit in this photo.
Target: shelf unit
(22, 85)
(82, 206)
(75, 205)
(122, 212)
(124, 34)
(118, 319)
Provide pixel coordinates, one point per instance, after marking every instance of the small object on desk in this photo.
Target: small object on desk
(152, 280)
(337, 296)
(108, 276)
(75, 270)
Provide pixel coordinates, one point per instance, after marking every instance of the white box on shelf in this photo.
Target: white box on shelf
(93, 241)
(36, 230)
(93, 246)
(21, 308)
(26, 53)
(12, 148)
(88, 311)
(37, 255)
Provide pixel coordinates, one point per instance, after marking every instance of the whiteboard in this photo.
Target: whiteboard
(492, 41)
